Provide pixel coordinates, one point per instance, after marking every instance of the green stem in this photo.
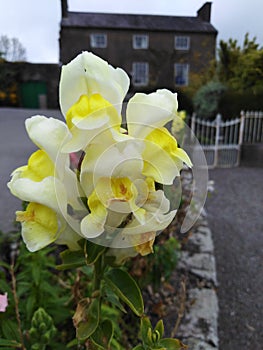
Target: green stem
(13, 279)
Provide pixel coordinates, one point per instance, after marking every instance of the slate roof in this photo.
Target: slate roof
(137, 22)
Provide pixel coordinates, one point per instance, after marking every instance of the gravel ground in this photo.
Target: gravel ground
(235, 215)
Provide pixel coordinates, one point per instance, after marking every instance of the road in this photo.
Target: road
(15, 149)
(235, 215)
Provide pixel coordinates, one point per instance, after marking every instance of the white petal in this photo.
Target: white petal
(147, 112)
(122, 254)
(154, 222)
(134, 231)
(88, 74)
(48, 134)
(70, 238)
(91, 226)
(49, 192)
(157, 201)
(122, 159)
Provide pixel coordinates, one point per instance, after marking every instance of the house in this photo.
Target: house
(156, 51)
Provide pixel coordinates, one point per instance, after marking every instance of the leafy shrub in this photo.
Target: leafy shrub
(207, 98)
(43, 291)
(232, 102)
(37, 284)
(158, 267)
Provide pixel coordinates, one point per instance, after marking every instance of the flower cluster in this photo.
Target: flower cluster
(93, 177)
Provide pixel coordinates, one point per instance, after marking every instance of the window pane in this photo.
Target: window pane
(182, 42)
(181, 74)
(140, 73)
(98, 40)
(140, 41)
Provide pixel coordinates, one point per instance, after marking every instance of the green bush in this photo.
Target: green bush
(44, 292)
(207, 98)
(232, 102)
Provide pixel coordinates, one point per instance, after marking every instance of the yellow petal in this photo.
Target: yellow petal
(39, 226)
(168, 143)
(92, 112)
(93, 224)
(146, 247)
(39, 167)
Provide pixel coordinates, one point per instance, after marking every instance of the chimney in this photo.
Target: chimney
(64, 8)
(204, 13)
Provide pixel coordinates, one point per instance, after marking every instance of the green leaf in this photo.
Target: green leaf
(113, 299)
(86, 318)
(146, 330)
(172, 344)
(5, 265)
(10, 330)
(74, 342)
(103, 335)
(36, 273)
(31, 304)
(71, 259)
(93, 252)
(138, 347)
(9, 343)
(159, 328)
(126, 288)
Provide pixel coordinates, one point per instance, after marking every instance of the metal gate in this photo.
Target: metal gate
(221, 141)
(253, 127)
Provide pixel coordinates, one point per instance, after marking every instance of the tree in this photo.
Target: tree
(241, 68)
(11, 49)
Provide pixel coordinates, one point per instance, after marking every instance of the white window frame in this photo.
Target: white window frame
(182, 42)
(140, 73)
(181, 79)
(143, 39)
(98, 40)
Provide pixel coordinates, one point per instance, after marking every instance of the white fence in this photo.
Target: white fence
(253, 127)
(221, 141)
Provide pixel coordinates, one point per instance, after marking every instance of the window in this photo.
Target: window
(98, 40)
(140, 73)
(181, 74)
(182, 42)
(140, 41)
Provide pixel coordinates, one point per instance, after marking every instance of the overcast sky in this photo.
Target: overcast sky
(36, 22)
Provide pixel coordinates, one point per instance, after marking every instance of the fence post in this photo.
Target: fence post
(218, 123)
(241, 128)
(241, 135)
(193, 125)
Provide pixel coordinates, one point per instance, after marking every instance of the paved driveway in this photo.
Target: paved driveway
(235, 213)
(14, 151)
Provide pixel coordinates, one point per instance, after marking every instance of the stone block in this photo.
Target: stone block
(200, 321)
